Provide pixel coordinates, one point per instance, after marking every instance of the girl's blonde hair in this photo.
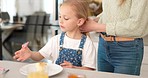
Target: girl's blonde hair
(80, 7)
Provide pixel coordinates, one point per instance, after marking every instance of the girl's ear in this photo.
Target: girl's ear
(80, 22)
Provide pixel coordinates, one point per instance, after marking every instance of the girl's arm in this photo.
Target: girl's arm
(36, 56)
(25, 53)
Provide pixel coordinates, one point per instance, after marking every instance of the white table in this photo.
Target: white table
(6, 31)
(15, 66)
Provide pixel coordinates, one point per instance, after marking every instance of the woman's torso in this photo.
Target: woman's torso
(113, 11)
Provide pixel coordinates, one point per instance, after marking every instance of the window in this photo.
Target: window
(5, 7)
(27, 7)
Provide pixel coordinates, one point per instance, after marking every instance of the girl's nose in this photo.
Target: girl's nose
(60, 21)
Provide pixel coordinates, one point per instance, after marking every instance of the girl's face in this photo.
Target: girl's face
(67, 19)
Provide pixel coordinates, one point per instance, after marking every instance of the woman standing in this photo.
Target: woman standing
(122, 25)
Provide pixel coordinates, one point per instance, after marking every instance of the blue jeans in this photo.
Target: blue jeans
(120, 56)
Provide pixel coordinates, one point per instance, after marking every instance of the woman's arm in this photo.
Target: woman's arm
(136, 23)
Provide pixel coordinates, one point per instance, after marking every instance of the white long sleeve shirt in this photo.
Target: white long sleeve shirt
(128, 20)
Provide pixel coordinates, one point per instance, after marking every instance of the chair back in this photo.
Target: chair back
(5, 17)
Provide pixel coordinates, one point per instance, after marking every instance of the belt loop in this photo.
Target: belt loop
(114, 37)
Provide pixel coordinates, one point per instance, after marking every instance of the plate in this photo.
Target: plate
(52, 68)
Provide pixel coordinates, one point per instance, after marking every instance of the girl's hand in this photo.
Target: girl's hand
(23, 54)
(67, 64)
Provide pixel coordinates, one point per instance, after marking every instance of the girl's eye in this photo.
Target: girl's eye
(66, 18)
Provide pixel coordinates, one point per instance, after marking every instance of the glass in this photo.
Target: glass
(38, 72)
(76, 76)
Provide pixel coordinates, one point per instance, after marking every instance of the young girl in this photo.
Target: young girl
(71, 48)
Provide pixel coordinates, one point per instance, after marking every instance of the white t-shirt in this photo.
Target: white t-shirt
(51, 50)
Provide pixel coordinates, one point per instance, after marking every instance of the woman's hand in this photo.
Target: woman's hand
(67, 64)
(23, 54)
(96, 19)
(89, 25)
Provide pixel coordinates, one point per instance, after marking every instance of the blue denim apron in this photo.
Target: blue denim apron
(71, 55)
